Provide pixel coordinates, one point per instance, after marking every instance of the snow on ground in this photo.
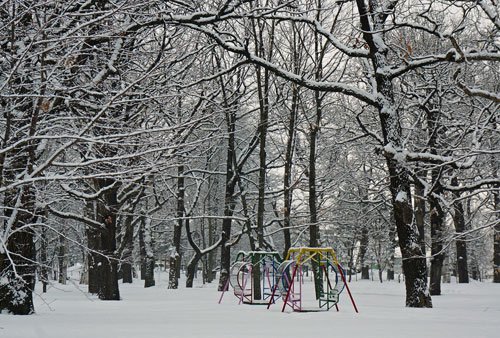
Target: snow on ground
(463, 311)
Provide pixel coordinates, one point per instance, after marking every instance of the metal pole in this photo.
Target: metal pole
(224, 290)
(289, 288)
(347, 287)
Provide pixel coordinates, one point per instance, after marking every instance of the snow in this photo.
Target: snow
(463, 311)
(401, 197)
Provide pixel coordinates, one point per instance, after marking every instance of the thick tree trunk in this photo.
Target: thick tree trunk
(93, 259)
(438, 255)
(363, 248)
(16, 288)
(127, 245)
(149, 258)
(414, 265)
(17, 272)
(461, 243)
(420, 213)
(18, 268)
(93, 245)
(62, 259)
(108, 262)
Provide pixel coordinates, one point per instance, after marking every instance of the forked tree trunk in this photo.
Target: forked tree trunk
(414, 265)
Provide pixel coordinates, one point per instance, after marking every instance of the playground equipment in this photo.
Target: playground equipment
(252, 276)
(329, 279)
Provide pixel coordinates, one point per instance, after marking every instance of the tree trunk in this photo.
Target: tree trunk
(93, 259)
(313, 199)
(17, 277)
(108, 262)
(128, 247)
(392, 247)
(212, 254)
(414, 265)
(363, 248)
(438, 255)
(287, 176)
(263, 90)
(461, 243)
(94, 246)
(149, 258)
(231, 179)
(102, 259)
(17, 272)
(420, 212)
(496, 238)
(496, 207)
(62, 258)
(191, 269)
(175, 257)
(44, 270)
(142, 249)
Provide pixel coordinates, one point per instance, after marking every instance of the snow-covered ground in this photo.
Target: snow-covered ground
(463, 311)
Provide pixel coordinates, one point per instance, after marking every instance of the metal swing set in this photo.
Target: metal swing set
(329, 279)
(246, 287)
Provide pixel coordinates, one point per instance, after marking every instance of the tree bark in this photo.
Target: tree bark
(128, 247)
(392, 246)
(363, 248)
(231, 180)
(107, 262)
(414, 265)
(437, 252)
(420, 212)
(496, 238)
(62, 259)
(149, 258)
(175, 257)
(17, 271)
(287, 175)
(496, 207)
(460, 242)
